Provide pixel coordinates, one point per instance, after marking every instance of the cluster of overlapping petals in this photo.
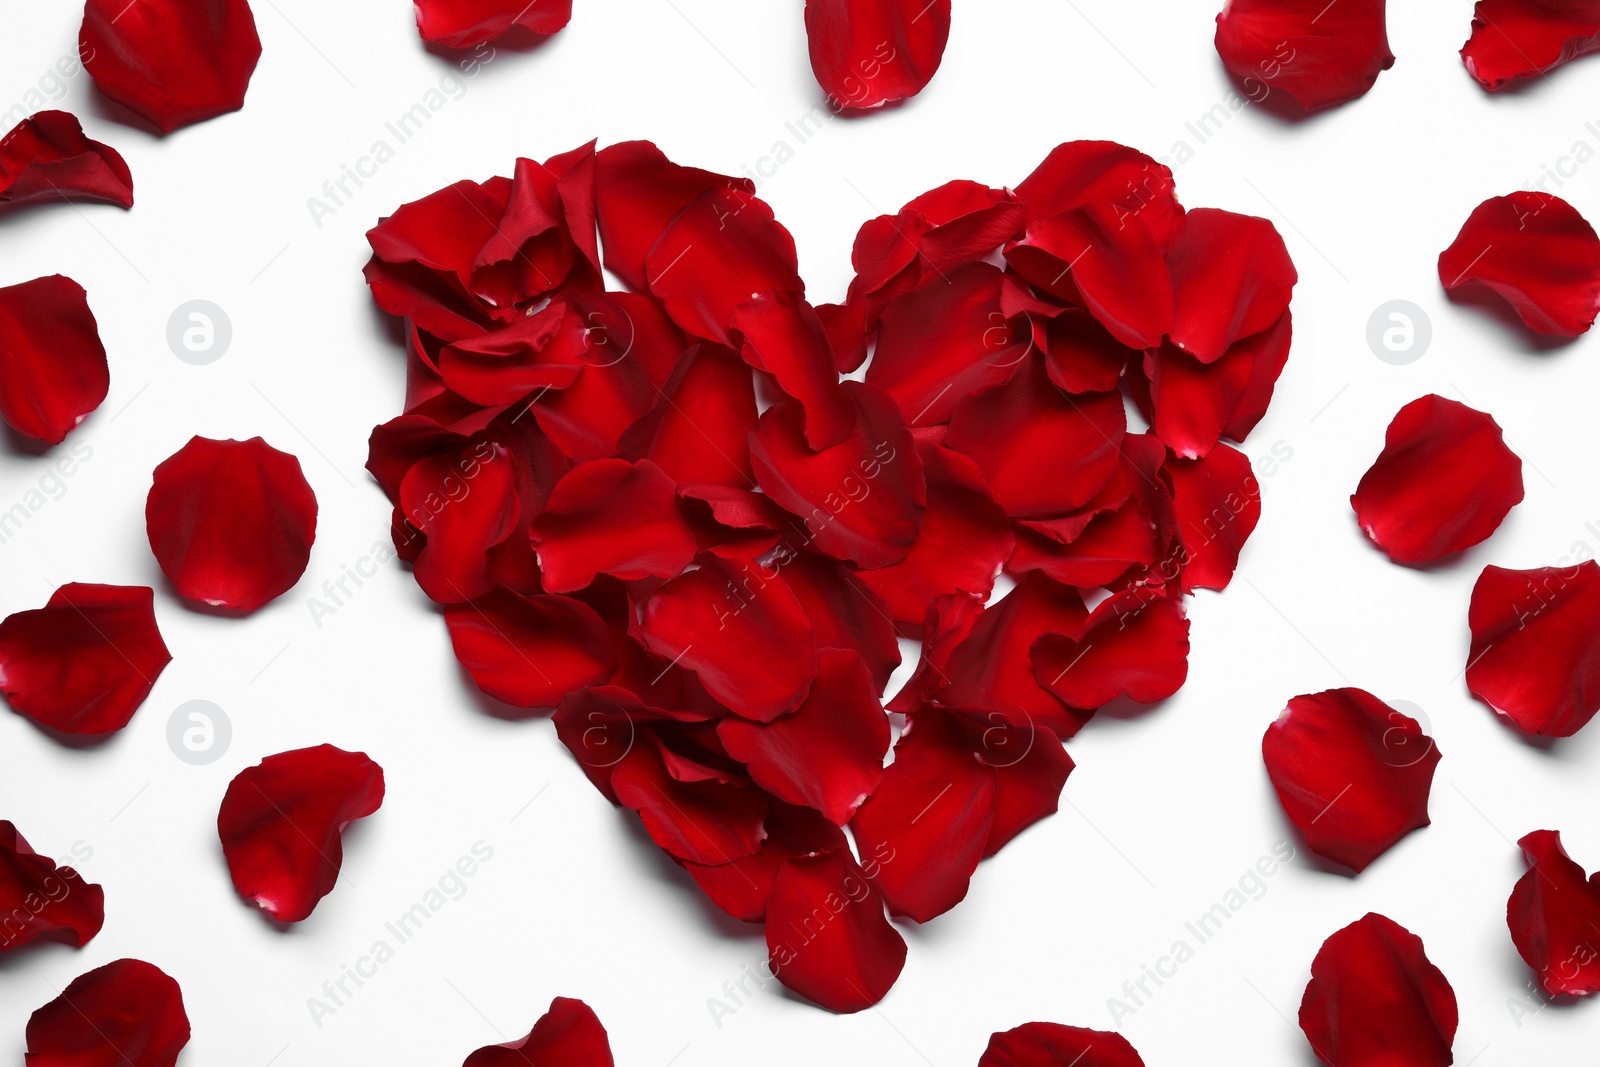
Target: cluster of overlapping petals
(668, 513)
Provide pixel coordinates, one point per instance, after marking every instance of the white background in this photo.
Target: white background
(1166, 810)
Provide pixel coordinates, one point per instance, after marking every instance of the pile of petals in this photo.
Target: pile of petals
(1516, 39)
(708, 588)
(47, 157)
(1319, 53)
(869, 53)
(468, 23)
(126, 1014)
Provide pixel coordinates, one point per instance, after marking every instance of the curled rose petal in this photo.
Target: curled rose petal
(1352, 773)
(174, 62)
(686, 808)
(784, 337)
(1537, 252)
(1444, 482)
(126, 1014)
(465, 23)
(39, 900)
(1231, 278)
(281, 821)
(1319, 55)
(1375, 999)
(47, 157)
(53, 369)
(867, 53)
(1134, 644)
(1055, 1045)
(1514, 39)
(231, 522)
(569, 1035)
(1553, 914)
(84, 662)
(1535, 654)
(1216, 502)
(1083, 172)
(639, 192)
(530, 651)
(827, 936)
(609, 516)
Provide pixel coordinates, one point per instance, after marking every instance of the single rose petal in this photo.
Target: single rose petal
(601, 724)
(1081, 355)
(173, 62)
(1231, 278)
(84, 662)
(699, 430)
(1535, 655)
(1352, 773)
(568, 1035)
(612, 517)
(693, 816)
(464, 502)
(868, 53)
(1134, 644)
(844, 611)
(281, 821)
(1444, 481)
(1083, 172)
(827, 936)
(1513, 39)
(1553, 914)
(1030, 770)
(1196, 404)
(1318, 54)
(126, 1014)
(1374, 999)
(743, 634)
(784, 337)
(1055, 1045)
(545, 350)
(53, 369)
(530, 651)
(741, 888)
(231, 522)
(465, 23)
(1537, 252)
(1216, 502)
(47, 157)
(41, 900)
(639, 191)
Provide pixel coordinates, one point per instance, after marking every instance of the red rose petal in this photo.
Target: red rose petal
(741, 888)
(1081, 355)
(601, 724)
(701, 820)
(867, 53)
(530, 651)
(639, 191)
(1217, 503)
(1134, 644)
(1537, 252)
(1030, 770)
(612, 517)
(827, 936)
(40, 900)
(1196, 404)
(1535, 655)
(1231, 278)
(1513, 39)
(844, 611)
(784, 337)
(281, 821)
(1375, 999)
(47, 157)
(1083, 172)
(568, 1035)
(125, 1014)
(1055, 1045)
(546, 350)
(231, 522)
(465, 503)
(84, 662)
(174, 62)
(1443, 483)
(1553, 913)
(465, 23)
(53, 369)
(1319, 55)
(698, 432)
(1352, 773)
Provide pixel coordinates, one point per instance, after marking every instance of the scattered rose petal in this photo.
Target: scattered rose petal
(568, 1035)
(1055, 1045)
(846, 962)
(1514, 39)
(465, 23)
(53, 369)
(1537, 252)
(867, 53)
(39, 900)
(125, 1014)
(1535, 654)
(1319, 55)
(47, 157)
(1553, 914)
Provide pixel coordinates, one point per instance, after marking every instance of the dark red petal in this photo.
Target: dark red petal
(1537, 252)
(867, 53)
(1535, 655)
(1444, 481)
(702, 821)
(1319, 55)
(862, 499)
(741, 631)
(465, 23)
(1134, 644)
(53, 369)
(1055, 1045)
(1217, 503)
(464, 502)
(1352, 773)
(40, 900)
(612, 517)
(1043, 452)
(950, 621)
(84, 662)
(1513, 39)
(1375, 1000)
(1231, 277)
(530, 651)
(843, 609)
(741, 888)
(547, 350)
(125, 1014)
(281, 822)
(784, 337)
(231, 522)
(568, 1035)
(601, 724)
(827, 936)
(828, 753)
(1083, 172)
(1081, 355)
(1553, 914)
(1030, 770)
(47, 157)
(699, 430)
(1196, 404)
(734, 523)
(172, 61)
(639, 191)
(538, 465)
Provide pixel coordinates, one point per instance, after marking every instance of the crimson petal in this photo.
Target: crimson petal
(1195, 404)
(612, 517)
(1537, 252)
(784, 337)
(699, 431)
(465, 502)
(1231, 277)
(1055, 1045)
(47, 157)
(741, 888)
(53, 369)
(41, 900)
(126, 1014)
(1319, 55)
(568, 1035)
(1535, 654)
(843, 609)
(701, 820)
(530, 651)
(827, 936)
(1217, 503)
(638, 193)
(1134, 644)
(1553, 914)
(1514, 39)
(281, 821)
(867, 53)
(465, 23)
(1083, 172)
